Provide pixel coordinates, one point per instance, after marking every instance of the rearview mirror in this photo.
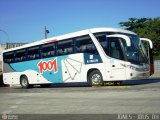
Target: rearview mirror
(149, 41)
(126, 38)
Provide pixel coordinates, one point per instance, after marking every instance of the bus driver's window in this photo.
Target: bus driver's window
(115, 49)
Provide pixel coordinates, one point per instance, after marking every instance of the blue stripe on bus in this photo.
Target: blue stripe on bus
(51, 75)
(33, 65)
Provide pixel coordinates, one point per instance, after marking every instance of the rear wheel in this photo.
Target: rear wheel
(95, 78)
(24, 82)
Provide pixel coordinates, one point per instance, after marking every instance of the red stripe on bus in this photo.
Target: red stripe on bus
(51, 40)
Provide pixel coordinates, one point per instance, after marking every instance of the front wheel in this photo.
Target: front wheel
(95, 78)
(24, 82)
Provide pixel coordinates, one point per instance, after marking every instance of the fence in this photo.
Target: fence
(157, 66)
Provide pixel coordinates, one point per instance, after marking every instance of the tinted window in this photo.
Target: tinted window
(9, 57)
(48, 50)
(20, 55)
(64, 47)
(104, 42)
(115, 49)
(85, 45)
(33, 53)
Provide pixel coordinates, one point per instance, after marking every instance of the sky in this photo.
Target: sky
(24, 20)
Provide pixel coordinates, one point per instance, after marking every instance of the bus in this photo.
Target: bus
(147, 46)
(94, 56)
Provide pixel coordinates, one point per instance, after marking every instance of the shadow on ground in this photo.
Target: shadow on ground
(141, 81)
(124, 83)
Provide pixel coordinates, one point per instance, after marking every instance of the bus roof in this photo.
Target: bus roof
(70, 35)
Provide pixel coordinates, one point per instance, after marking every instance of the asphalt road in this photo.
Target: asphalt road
(134, 97)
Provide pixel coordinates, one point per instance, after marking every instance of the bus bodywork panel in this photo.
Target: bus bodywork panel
(67, 68)
(71, 68)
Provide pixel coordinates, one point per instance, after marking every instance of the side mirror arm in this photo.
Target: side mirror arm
(126, 38)
(148, 40)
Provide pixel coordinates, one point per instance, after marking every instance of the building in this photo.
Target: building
(7, 46)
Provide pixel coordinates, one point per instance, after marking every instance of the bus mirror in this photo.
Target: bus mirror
(148, 40)
(126, 38)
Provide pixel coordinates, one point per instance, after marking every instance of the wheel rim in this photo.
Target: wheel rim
(96, 79)
(24, 82)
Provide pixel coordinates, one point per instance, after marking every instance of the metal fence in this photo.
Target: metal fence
(157, 66)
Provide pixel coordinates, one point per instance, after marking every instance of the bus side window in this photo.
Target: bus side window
(48, 50)
(33, 53)
(85, 45)
(65, 47)
(115, 49)
(20, 55)
(104, 43)
(8, 57)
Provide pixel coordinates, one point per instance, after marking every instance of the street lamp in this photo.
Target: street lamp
(46, 32)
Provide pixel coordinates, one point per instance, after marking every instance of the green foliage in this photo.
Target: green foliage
(147, 28)
(156, 57)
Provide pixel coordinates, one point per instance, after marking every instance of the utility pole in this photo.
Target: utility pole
(45, 32)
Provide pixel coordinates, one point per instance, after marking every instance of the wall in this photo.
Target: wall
(157, 66)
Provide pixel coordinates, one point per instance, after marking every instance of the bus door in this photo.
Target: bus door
(117, 61)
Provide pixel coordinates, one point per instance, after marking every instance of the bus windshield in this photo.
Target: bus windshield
(134, 53)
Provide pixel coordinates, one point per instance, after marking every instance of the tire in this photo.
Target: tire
(24, 82)
(95, 78)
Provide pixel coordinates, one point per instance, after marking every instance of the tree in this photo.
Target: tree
(145, 27)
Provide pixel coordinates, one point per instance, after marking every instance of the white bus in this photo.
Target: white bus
(94, 56)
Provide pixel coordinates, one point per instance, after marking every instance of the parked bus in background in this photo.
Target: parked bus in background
(147, 46)
(94, 56)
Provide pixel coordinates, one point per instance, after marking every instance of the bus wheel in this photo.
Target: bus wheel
(24, 82)
(95, 78)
